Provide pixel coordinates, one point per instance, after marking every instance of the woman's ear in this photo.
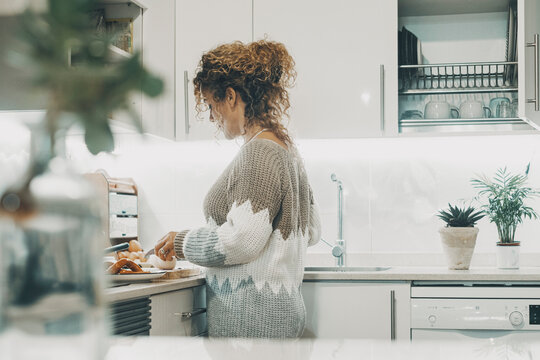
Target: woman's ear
(230, 97)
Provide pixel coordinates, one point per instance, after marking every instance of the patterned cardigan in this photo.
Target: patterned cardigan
(261, 217)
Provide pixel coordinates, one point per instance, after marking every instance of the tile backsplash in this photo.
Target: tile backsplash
(392, 186)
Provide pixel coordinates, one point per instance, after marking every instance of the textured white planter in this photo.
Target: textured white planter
(508, 256)
(458, 246)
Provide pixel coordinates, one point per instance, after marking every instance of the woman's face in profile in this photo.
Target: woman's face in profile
(226, 116)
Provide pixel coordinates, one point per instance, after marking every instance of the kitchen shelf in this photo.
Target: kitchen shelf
(139, 3)
(118, 54)
(444, 122)
(458, 78)
(458, 91)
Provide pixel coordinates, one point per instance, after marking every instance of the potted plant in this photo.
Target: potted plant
(459, 235)
(52, 245)
(506, 194)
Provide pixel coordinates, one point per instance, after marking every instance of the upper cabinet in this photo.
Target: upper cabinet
(346, 60)
(529, 46)
(200, 26)
(465, 66)
(159, 57)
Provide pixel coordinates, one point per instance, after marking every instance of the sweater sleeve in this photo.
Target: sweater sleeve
(254, 195)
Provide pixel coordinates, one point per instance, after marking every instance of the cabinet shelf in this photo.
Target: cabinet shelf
(458, 91)
(451, 78)
(138, 3)
(118, 54)
(443, 122)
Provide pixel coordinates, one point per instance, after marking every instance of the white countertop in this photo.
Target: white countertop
(399, 273)
(138, 289)
(402, 273)
(157, 347)
(237, 349)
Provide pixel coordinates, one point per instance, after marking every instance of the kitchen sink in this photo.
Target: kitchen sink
(346, 268)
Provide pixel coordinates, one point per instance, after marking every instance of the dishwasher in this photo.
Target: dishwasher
(481, 310)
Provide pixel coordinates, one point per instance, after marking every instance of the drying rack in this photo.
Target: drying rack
(458, 78)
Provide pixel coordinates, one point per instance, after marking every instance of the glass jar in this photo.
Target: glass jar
(52, 301)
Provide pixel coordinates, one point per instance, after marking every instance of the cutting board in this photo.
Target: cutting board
(180, 273)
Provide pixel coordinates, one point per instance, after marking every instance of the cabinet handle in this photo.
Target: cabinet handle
(186, 105)
(189, 314)
(381, 74)
(392, 315)
(536, 101)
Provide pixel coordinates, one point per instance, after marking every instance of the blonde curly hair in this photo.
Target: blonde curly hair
(260, 72)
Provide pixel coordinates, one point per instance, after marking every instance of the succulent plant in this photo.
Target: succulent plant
(455, 216)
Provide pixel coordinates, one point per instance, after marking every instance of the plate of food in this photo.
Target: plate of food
(142, 276)
(128, 270)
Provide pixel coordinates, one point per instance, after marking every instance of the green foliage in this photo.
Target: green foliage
(505, 195)
(72, 63)
(460, 217)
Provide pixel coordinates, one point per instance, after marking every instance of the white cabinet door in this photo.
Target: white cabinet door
(363, 310)
(168, 310)
(339, 48)
(200, 26)
(128, 10)
(529, 78)
(158, 115)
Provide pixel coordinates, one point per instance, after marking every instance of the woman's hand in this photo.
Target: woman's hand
(164, 249)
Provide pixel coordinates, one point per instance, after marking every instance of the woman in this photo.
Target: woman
(260, 213)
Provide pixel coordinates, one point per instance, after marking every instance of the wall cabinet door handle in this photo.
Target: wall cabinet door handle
(186, 103)
(535, 100)
(392, 315)
(381, 75)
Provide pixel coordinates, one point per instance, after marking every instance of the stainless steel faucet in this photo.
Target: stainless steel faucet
(339, 249)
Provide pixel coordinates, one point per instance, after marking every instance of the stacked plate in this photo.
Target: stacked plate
(510, 74)
(409, 49)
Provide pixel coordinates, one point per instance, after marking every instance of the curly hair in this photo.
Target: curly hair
(260, 72)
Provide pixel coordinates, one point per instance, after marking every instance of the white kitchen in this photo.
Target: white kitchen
(413, 118)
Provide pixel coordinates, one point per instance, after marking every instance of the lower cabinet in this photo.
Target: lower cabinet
(354, 309)
(179, 313)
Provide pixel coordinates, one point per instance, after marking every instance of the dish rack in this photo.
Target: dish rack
(478, 77)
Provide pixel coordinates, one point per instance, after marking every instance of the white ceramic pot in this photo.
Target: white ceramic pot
(508, 255)
(458, 246)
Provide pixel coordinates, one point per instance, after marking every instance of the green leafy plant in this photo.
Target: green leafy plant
(505, 195)
(455, 216)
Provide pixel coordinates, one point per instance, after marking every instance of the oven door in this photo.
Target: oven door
(453, 335)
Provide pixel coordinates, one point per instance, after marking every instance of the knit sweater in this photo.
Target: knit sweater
(261, 216)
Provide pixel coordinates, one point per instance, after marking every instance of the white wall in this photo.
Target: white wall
(393, 186)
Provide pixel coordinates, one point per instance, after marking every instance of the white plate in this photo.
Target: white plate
(154, 274)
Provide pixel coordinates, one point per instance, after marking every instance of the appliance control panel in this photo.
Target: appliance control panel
(459, 313)
(534, 314)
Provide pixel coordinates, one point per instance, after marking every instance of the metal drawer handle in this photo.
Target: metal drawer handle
(189, 314)
(392, 315)
(535, 100)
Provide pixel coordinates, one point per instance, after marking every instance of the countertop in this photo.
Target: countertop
(525, 274)
(139, 289)
(156, 347)
(236, 349)
(489, 274)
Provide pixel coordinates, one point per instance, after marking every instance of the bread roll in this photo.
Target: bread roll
(161, 264)
(134, 246)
